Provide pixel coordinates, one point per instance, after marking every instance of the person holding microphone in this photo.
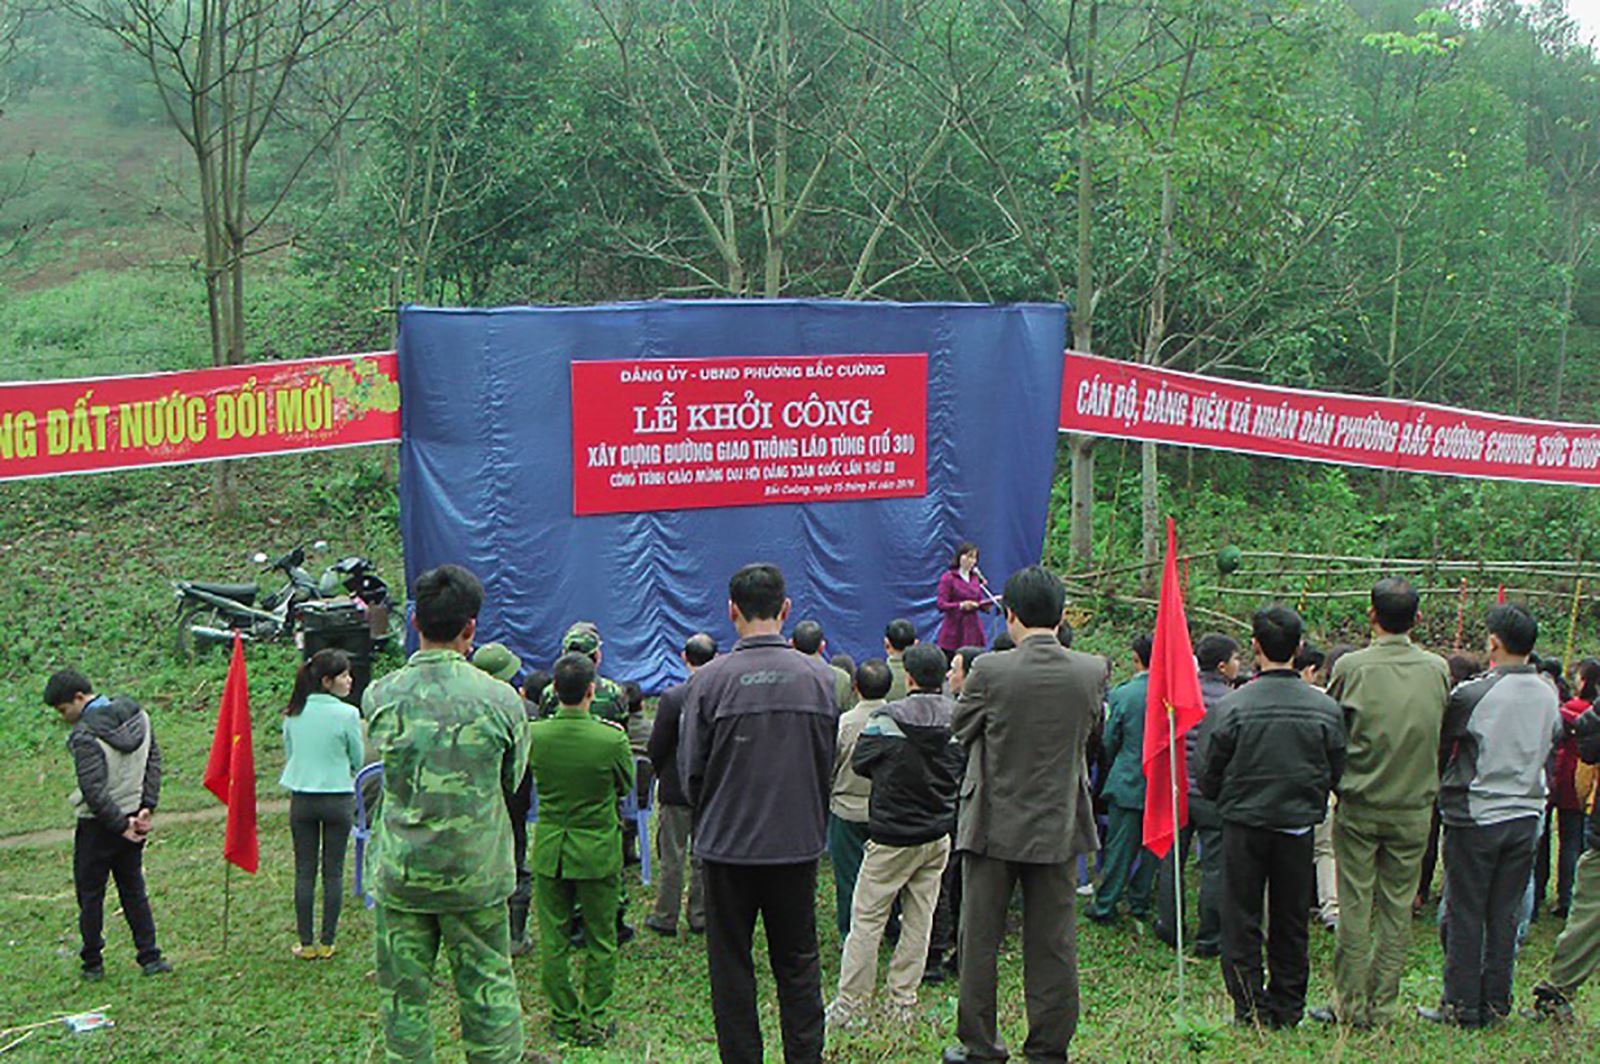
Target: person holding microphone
(961, 596)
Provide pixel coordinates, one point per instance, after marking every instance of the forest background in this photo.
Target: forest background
(1378, 197)
(1373, 196)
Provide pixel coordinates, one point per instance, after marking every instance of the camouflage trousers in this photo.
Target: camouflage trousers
(555, 900)
(477, 943)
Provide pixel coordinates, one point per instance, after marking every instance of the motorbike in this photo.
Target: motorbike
(208, 614)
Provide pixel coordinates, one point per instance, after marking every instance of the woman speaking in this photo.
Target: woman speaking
(961, 596)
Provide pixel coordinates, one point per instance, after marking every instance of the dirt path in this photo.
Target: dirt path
(59, 836)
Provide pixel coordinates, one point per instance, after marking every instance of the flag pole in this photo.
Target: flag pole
(227, 897)
(1177, 854)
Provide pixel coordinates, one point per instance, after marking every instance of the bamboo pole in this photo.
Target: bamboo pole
(1572, 623)
(9, 1031)
(1258, 592)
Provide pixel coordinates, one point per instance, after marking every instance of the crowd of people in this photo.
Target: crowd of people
(941, 780)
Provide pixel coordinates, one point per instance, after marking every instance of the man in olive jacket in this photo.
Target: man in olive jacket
(1275, 750)
(1393, 694)
(1024, 718)
(1128, 865)
(581, 766)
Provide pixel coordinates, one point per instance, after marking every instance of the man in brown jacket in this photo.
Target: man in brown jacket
(1024, 718)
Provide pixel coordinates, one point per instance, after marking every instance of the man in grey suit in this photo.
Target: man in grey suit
(1024, 717)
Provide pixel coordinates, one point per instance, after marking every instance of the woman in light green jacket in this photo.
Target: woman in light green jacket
(323, 749)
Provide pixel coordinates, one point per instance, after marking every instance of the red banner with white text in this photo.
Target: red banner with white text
(1106, 397)
(672, 434)
(98, 424)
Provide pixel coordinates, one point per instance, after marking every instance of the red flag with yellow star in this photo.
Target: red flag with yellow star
(1175, 694)
(231, 768)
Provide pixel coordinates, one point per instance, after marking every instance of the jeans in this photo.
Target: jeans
(319, 824)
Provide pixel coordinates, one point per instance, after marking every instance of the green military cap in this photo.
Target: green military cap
(581, 638)
(497, 660)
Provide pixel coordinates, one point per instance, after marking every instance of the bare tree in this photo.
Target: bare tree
(227, 72)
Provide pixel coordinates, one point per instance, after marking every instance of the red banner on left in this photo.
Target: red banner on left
(98, 424)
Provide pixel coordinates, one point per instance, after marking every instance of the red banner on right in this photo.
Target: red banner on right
(1107, 397)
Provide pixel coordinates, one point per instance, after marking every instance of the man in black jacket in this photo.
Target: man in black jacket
(674, 818)
(1218, 658)
(118, 766)
(908, 752)
(1276, 748)
(756, 761)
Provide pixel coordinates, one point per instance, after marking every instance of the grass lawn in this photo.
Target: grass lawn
(256, 1003)
(89, 563)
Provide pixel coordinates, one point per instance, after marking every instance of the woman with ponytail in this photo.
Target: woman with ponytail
(322, 748)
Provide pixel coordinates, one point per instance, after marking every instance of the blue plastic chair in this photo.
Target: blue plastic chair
(637, 805)
(363, 830)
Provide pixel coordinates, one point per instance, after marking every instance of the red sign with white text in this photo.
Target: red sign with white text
(98, 424)
(1106, 397)
(679, 434)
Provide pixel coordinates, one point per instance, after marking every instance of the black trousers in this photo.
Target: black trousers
(319, 825)
(784, 896)
(1486, 872)
(947, 911)
(1430, 857)
(1258, 860)
(97, 854)
(1569, 845)
(1205, 825)
(518, 803)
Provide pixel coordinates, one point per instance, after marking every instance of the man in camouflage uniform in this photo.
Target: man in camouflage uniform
(610, 700)
(453, 740)
(581, 766)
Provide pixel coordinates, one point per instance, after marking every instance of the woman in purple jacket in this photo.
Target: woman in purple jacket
(961, 596)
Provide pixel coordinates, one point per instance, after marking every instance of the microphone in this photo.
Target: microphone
(979, 574)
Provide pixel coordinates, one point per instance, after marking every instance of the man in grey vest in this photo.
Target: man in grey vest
(119, 782)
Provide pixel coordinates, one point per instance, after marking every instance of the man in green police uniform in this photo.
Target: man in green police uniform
(453, 740)
(610, 700)
(1124, 795)
(610, 704)
(580, 766)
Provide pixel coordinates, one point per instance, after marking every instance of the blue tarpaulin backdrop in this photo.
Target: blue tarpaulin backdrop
(486, 473)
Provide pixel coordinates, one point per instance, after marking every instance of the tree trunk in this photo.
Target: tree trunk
(1149, 484)
(1566, 306)
(1150, 517)
(1081, 448)
(1391, 379)
(1081, 536)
